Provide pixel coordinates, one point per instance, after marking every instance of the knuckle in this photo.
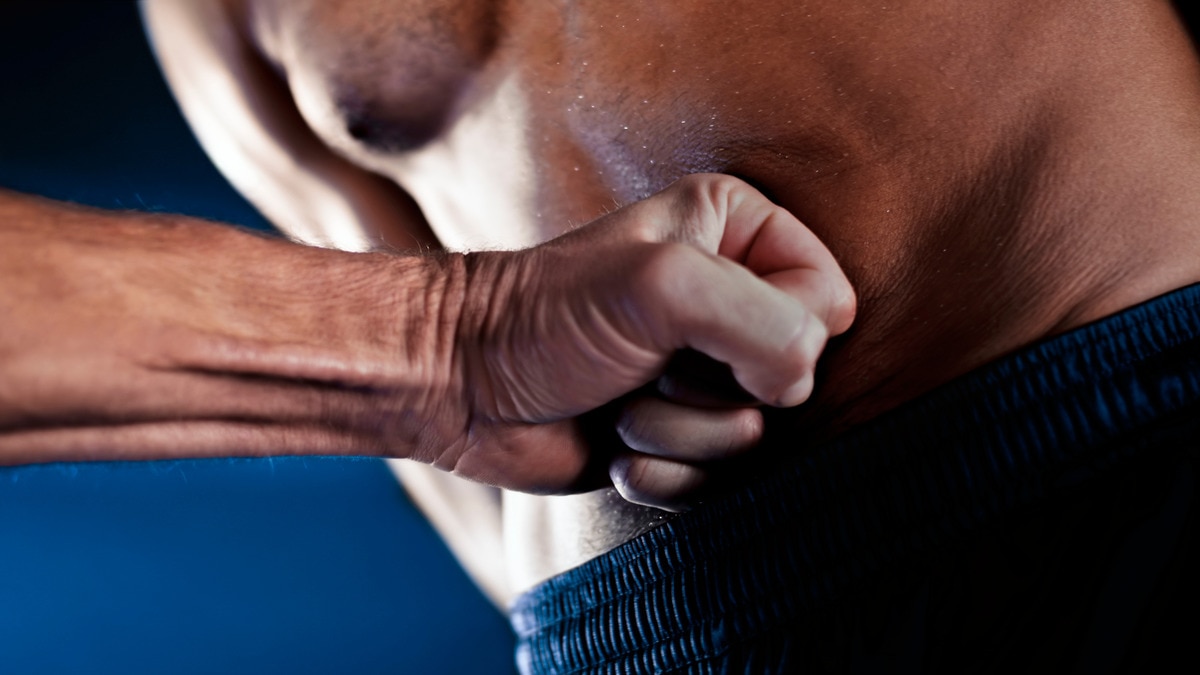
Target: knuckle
(712, 187)
(696, 187)
(701, 205)
(801, 391)
(639, 478)
(805, 346)
(793, 393)
(633, 429)
(651, 482)
(794, 372)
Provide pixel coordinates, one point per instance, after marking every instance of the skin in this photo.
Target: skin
(145, 337)
(986, 176)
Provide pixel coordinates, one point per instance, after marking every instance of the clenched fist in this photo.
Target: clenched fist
(129, 336)
(546, 334)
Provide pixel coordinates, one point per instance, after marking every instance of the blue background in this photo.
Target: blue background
(244, 566)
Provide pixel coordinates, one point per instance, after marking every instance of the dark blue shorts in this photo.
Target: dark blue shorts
(1039, 512)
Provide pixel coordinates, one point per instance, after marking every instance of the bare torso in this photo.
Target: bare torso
(922, 165)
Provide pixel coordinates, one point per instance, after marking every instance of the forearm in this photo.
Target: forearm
(136, 337)
(130, 336)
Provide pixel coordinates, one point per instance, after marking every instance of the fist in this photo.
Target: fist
(708, 265)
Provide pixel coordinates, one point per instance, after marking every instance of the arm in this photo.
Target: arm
(137, 337)
(129, 336)
(243, 113)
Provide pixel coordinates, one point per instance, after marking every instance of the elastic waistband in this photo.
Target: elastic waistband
(1004, 435)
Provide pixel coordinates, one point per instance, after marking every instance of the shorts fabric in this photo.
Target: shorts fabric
(1037, 513)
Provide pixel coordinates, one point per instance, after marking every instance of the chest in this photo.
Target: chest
(510, 122)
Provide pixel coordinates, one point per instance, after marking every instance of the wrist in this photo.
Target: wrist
(472, 295)
(427, 388)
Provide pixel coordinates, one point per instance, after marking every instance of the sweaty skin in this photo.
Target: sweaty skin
(987, 174)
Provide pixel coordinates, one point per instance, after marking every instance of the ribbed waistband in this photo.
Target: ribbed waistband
(1004, 435)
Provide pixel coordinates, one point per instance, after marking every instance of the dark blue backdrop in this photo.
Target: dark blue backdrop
(248, 566)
